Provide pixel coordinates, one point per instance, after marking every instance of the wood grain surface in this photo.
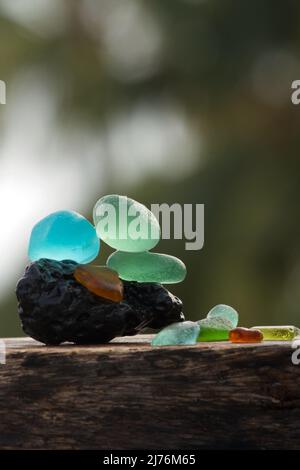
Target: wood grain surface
(128, 395)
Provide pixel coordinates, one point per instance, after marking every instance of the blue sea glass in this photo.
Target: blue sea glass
(177, 334)
(64, 235)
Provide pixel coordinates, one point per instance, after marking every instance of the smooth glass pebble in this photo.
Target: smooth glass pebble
(147, 267)
(278, 333)
(101, 281)
(224, 311)
(64, 235)
(125, 224)
(214, 329)
(245, 335)
(177, 334)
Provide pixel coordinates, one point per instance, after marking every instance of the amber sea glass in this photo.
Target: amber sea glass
(101, 281)
(245, 335)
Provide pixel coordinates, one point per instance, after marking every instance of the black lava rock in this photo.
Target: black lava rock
(55, 308)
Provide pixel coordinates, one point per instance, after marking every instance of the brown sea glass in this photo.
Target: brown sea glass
(101, 281)
(245, 335)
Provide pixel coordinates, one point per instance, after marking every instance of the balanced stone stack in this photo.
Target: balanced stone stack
(64, 298)
(133, 260)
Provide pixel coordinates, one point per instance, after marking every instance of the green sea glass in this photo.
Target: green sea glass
(147, 267)
(225, 311)
(125, 224)
(278, 333)
(214, 329)
(177, 334)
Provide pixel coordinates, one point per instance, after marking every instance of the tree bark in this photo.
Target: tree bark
(128, 395)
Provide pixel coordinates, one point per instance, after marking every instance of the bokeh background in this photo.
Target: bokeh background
(166, 101)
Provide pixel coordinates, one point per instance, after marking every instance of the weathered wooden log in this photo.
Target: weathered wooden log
(127, 395)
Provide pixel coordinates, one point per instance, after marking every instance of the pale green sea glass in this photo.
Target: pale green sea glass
(125, 224)
(177, 334)
(225, 311)
(147, 267)
(214, 329)
(278, 333)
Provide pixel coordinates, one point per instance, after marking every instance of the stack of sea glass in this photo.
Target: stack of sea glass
(133, 261)
(64, 298)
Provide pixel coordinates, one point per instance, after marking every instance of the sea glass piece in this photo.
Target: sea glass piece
(64, 235)
(224, 311)
(245, 335)
(278, 333)
(177, 334)
(214, 329)
(101, 281)
(147, 267)
(125, 224)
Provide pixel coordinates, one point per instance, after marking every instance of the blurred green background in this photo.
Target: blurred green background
(182, 101)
